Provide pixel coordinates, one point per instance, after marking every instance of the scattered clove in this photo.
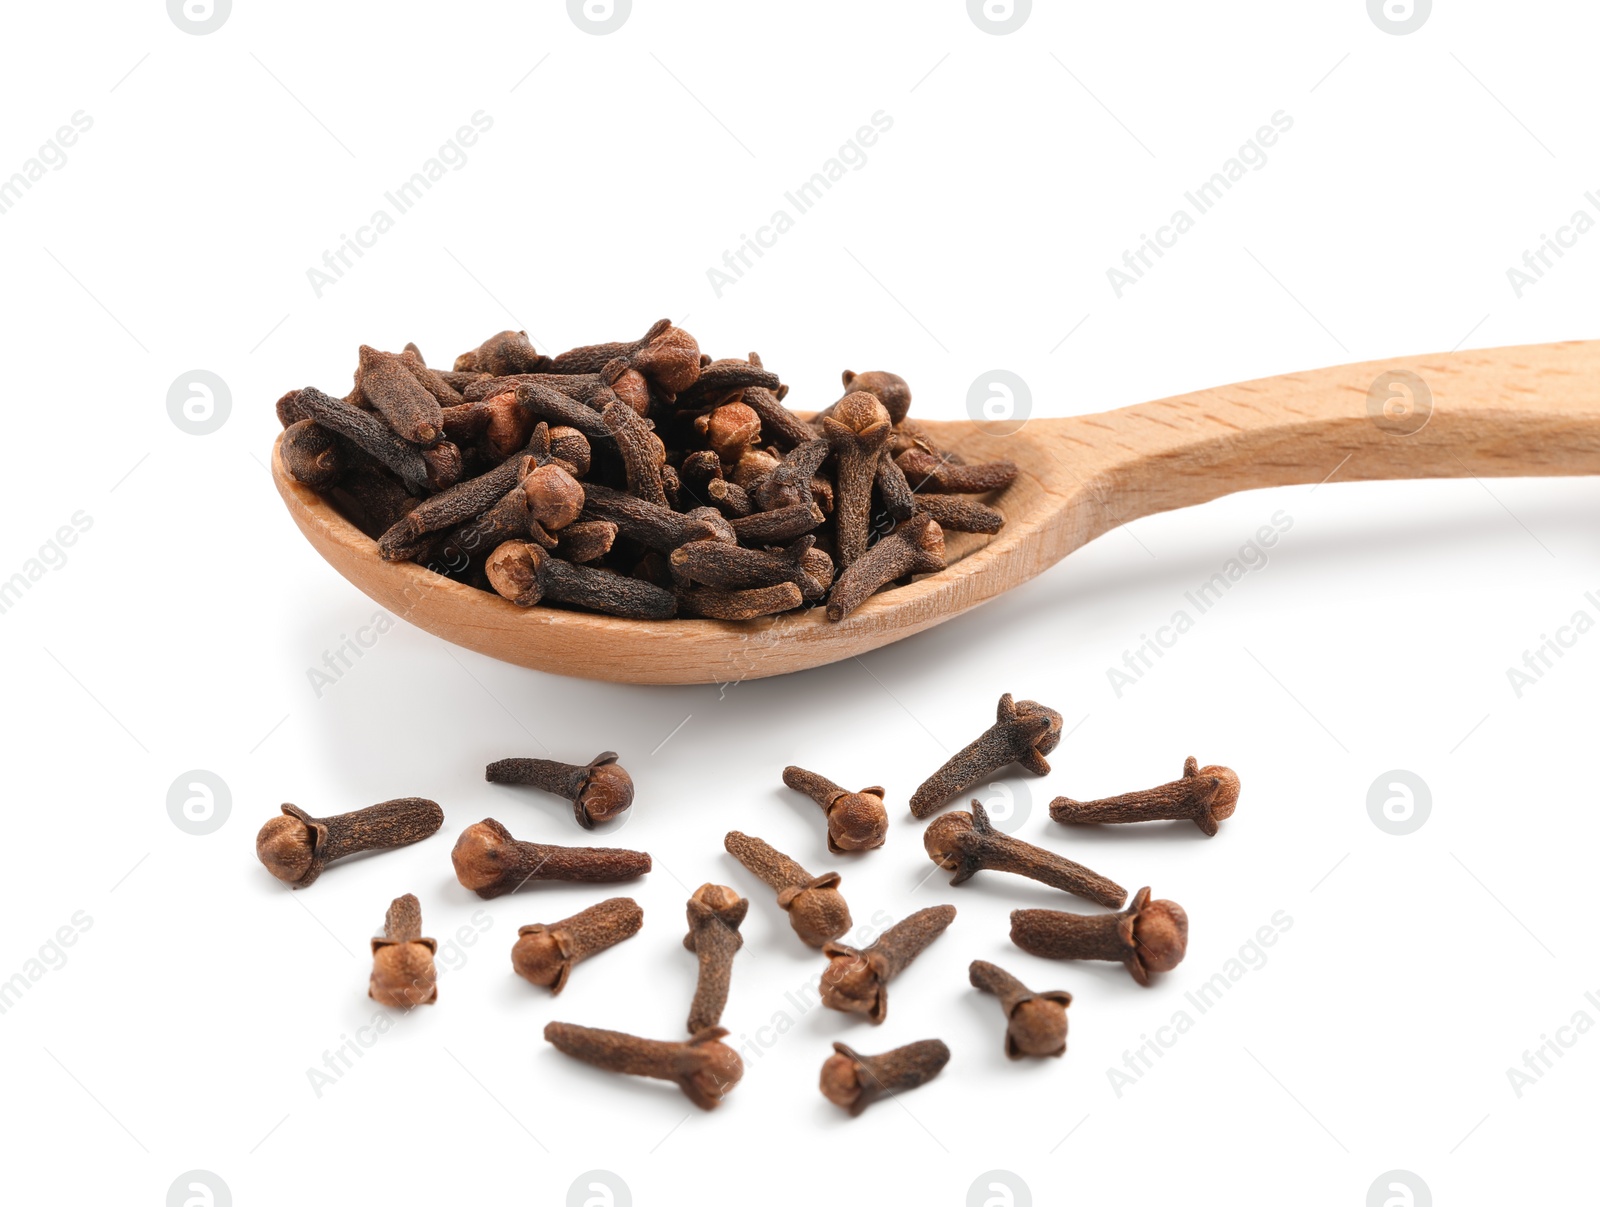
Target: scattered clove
(855, 1082)
(1203, 795)
(1036, 1023)
(296, 847)
(402, 960)
(491, 862)
(1149, 936)
(545, 954)
(600, 790)
(1023, 732)
(704, 1068)
(968, 843)
(816, 910)
(715, 913)
(627, 452)
(857, 981)
(856, 820)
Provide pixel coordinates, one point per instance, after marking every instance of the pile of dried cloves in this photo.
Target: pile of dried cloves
(639, 479)
(1146, 936)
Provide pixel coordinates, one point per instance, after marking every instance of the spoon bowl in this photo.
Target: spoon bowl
(1521, 411)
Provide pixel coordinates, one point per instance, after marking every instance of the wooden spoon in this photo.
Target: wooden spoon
(1501, 412)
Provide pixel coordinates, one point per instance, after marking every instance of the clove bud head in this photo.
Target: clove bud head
(841, 1084)
(555, 497)
(1161, 933)
(852, 983)
(671, 360)
(817, 911)
(284, 846)
(717, 1070)
(482, 856)
(538, 957)
(1038, 1027)
(948, 838)
(861, 413)
(730, 430)
(857, 822)
(403, 974)
(1227, 797)
(607, 792)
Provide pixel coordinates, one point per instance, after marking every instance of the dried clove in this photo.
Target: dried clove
(857, 981)
(888, 388)
(659, 528)
(507, 352)
(525, 574)
(587, 540)
(1036, 1023)
(816, 910)
(545, 954)
(856, 820)
(721, 380)
(712, 603)
(389, 387)
(1203, 795)
(789, 483)
(896, 495)
(704, 1068)
(642, 453)
(777, 527)
(1149, 936)
(968, 843)
(940, 475)
(296, 847)
(856, 432)
(735, 568)
(715, 913)
(1023, 732)
(855, 1082)
(666, 355)
(600, 790)
(916, 546)
(459, 503)
(955, 514)
(490, 862)
(311, 453)
(779, 424)
(402, 960)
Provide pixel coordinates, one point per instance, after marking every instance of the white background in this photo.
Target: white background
(179, 633)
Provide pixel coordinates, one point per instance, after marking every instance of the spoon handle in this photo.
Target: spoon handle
(1500, 412)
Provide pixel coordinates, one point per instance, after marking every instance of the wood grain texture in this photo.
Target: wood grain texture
(1501, 412)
